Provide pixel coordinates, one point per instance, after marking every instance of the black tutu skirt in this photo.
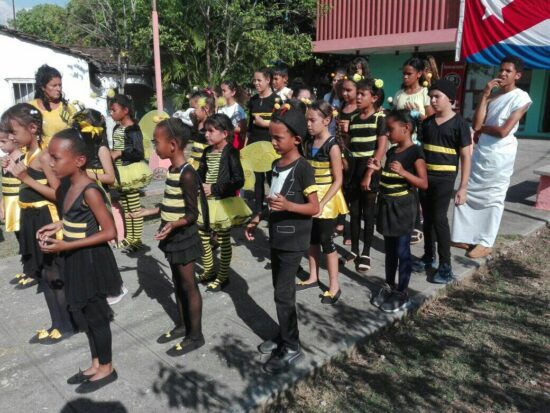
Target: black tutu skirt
(396, 215)
(89, 273)
(33, 259)
(182, 246)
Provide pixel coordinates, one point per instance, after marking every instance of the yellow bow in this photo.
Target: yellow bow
(93, 130)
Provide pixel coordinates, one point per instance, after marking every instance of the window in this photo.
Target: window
(23, 90)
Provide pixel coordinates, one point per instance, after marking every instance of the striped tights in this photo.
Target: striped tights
(133, 226)
(224, 238)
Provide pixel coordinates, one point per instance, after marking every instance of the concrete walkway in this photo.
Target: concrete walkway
(225, 374)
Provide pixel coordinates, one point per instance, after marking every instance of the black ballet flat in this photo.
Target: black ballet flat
(90, 386)
(78, 378)
(25, 283)
(185, 346)
(328, 298)
(173, 334)
(55, 337)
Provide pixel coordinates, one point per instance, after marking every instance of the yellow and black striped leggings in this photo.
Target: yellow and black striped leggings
(224, 238)
(132, 226)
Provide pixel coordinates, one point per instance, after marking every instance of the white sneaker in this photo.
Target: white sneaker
(117, 298)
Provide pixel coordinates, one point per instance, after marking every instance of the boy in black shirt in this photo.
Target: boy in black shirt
(292, 202)
(445, 140)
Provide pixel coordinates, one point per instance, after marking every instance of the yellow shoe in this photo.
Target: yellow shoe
(55, 334)
(20, 275)
(42, 334)
(26, 280)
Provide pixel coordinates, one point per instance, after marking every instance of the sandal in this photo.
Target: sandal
(363, 263)
(417, 236)
(351, 256)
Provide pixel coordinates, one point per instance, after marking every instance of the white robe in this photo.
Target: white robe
(478, 220)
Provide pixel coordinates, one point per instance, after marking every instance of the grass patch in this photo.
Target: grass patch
(483, 348)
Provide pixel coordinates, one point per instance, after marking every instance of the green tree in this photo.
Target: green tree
(202, 41)
(46, 21)
(205, 41)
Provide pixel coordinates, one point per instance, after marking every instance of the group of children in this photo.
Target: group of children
(63, 223)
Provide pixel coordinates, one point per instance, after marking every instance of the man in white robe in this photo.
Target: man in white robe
(476, 222)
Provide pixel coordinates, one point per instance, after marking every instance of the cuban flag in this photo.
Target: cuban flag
(491, 29)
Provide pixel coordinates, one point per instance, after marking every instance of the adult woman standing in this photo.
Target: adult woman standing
(48, 99)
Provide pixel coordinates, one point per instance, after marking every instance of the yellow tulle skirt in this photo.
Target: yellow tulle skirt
(336, 206)
(227, 213)
(137, 175)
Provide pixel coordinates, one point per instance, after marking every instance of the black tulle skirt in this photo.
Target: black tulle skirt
(182, 246)
(33, 259)
(89, 273)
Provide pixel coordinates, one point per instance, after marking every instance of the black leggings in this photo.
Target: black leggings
(435, 203)
(362, 206)
(53, 286)
(322, 233)
(188, 298)
(98, 320)
(398, 255)
(284, 266)
(259, 189)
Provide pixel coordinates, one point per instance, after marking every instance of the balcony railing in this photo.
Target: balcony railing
(344, 19)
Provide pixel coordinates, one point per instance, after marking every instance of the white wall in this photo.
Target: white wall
(21, 60)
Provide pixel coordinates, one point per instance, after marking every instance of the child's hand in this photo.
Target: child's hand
(461, 196)
(396, 167)
(476, 136)
(258, 119)
(19, 169)
(321, 207)
(344, 125)
(207, 189)
(278, 202)
(52, 245)
(143, 212)
(251, 228)
(2, 212)
(163, 233)
(365, 183)
(4, 162)
(48, 231)
(374, 164)
(491, 84)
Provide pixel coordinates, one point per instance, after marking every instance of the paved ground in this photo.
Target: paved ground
(224, 375)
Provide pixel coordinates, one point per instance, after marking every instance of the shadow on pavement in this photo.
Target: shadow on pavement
(248, 310)
(155, 279)
(83, 405)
